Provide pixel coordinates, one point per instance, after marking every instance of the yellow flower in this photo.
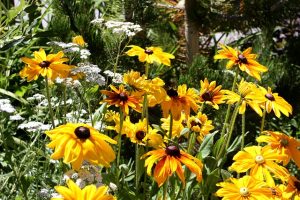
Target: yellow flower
(275, 103)
(50, 66)
(150, 55)
(245, 188)
(210, 94)
(283, 144)
(121, 98)
(292, 190)
(169, 160)
(245, 60)
(261, 162)
(140, 135)
(181, 100)
(177, 126)
(78, 40)
(141, 85)
(200, 124)
(90, 192)
(248, 94)
(78, 142)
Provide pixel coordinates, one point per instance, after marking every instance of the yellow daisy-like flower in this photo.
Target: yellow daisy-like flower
(277, 191)
(245, 60)
(211, 94)
(245, 188)
(122, 98)
(262, 162)
(78, 40)
(177, 125)
(292, 190)
(50, 66)
(181, 100)
(78, 142)
(140, 135)
(200, 124)
(150, 55)
(248, 94)
(169, 160)
(283, 144)
(90, 192)
(141, 85)
(276, 103)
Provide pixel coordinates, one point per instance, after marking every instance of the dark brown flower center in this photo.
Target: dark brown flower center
(284, 142)
(297, 185)
(140, 135)
(242, 59)
(148, 51)
(82, 132)
(44, 64)
(172, 93)
(270, 97)
(195, 123)
(123, 96)
(173, 151)
(207, 96)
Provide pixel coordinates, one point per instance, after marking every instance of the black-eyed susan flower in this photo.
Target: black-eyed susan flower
(177, 125)
(245, 60)
(245, 188)
(76, 143)
(262, 162)
(142, 134)
(276, 103)
(78, 40)
(150, 55)
(90, 192)
(179, 100)
(284, 144)
(248, 94)
(168, 161)
(292, 190)
(50, 66)
(122, 98)
(200, 125)
(211, 94)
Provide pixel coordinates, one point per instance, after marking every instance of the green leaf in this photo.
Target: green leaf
(206, 145)
(225, 174)
(12, 43)
(184, 131)
(12, 95)
(218, 145)
(12, 13)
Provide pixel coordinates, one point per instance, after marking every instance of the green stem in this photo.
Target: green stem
(120, 137)
(243, 131)
(147, 69)
(137, 165)
(191, 142)
(171, 126)
(49, 101)
(228, 108)
(263, 121)
(201, 108)
(65, 104)
(165, 190)
(227, 140)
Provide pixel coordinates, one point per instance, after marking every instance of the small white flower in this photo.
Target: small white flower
(84, 53)
(33, 126)
(5, 106)
(113, 186)
(16, 117)
(91, 73)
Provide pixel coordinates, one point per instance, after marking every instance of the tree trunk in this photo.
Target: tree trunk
(191, 30)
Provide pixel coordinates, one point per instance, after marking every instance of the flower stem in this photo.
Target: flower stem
(243, 131)
(49, 102)
(263, 121)
(171, 126)
(228, 108)
(165, 190)
(65, 104)
(137, 165)
(120, 137)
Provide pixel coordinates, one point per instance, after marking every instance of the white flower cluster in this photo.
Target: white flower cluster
(75, 116)
(116, 77)
(69, 82)
(127, 28)
(36, 97)
(87, 175)
(33, 126)
(16, 117)
(72, 48)
(91, 73)
(5, 106)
